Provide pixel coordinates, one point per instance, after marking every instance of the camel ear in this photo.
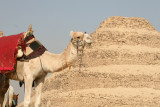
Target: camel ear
(71, 33)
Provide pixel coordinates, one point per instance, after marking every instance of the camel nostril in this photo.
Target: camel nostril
(90, 44)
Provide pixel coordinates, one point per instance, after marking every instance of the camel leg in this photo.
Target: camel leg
(39, 84)
(2, 95)
(28, 86)
(5, 99)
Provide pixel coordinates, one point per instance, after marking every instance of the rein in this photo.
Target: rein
(78, 44)
(80, 54)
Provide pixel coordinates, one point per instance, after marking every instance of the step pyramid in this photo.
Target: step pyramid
(120, 69)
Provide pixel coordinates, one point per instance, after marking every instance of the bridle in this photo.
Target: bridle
(77, 43)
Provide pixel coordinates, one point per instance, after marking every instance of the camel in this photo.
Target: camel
(4, 85)
(37, 68)
(8, 97)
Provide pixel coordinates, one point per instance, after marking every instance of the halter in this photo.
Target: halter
(77, 44)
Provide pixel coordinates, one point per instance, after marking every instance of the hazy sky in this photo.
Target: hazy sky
(52, 20)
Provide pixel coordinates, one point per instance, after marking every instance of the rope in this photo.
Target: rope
(80, 55)
(80, 61)
(41, 64)
(80, 65)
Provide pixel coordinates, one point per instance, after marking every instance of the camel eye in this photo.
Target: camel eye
(78, 37)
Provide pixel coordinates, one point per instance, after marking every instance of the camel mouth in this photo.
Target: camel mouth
(88, 45)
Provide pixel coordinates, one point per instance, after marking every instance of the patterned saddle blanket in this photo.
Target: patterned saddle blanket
(8, 51)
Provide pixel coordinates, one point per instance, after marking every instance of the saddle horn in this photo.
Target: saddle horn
(30, 28)
(1, 34)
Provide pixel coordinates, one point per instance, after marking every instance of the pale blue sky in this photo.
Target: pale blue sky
(52, 20)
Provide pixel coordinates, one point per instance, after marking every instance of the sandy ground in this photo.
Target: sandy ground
(121, 69)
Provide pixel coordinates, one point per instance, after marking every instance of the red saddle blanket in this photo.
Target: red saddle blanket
(8, 51)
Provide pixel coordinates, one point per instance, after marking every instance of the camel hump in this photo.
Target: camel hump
(1, 34)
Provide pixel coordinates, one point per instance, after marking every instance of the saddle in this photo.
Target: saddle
(8, 51)
(33, 50)
(10, 46)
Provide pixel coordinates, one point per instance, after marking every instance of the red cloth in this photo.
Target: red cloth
(8, 51)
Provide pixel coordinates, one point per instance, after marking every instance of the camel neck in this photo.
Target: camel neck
(57, 62)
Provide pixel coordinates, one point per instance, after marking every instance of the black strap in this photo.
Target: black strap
(28, 38)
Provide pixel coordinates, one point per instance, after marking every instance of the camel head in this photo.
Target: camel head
(80, 39)
(29, 31)
(87, 38)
